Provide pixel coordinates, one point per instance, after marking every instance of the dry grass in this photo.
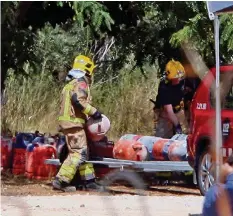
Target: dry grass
(126, 103)
(32, 104)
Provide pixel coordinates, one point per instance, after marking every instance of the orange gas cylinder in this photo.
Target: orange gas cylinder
(160, 149)
(177, 151)
(6, 153)
(40, 169)
(130, 150)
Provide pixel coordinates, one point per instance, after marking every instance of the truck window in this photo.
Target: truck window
(226, 91)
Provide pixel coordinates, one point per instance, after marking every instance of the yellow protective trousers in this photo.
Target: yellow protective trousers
(78, 154)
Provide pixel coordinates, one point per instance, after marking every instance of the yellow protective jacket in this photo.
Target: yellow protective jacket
(70, 114)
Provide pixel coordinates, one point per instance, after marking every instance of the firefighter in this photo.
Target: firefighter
(74, 110)
(169, 105)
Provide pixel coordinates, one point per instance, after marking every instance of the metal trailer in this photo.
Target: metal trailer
(139, 166)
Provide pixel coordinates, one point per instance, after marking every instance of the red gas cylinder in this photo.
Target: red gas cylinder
(6, 153)
(160, 149)
(130, 150)
(19, 161)
(29, 166)
(101, 149)
(40, 169)
(19, 153)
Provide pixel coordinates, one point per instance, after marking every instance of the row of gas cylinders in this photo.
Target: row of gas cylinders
(28, 159)
(149, 148)
(24, 158)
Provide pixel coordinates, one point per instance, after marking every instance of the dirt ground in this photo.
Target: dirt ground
(22, 197)
(21, 186)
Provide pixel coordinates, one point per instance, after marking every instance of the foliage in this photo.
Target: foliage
(92, 13)
(126, 102)
(15, 41)
(199, 33)
(21, 20)
(125, 38)
(56, 47)
(227, 33)
(33, 103)
(30, 103)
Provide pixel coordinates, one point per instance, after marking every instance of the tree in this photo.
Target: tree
(21, 20)
(199, 33)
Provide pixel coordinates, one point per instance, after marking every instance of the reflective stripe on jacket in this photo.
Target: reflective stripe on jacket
(71, 115)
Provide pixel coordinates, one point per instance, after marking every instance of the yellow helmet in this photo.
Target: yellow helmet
(85, 64)
(174, 70)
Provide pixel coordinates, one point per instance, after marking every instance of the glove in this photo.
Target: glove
(97, 115)
(178, 129)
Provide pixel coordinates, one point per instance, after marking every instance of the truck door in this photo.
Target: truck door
(226, 91)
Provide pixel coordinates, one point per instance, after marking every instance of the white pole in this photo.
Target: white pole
(218, 146)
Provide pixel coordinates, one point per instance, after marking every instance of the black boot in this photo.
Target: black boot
(63, 186)
(91, 185)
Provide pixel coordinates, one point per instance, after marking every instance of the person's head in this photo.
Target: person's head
(83, 66)
(174, 71)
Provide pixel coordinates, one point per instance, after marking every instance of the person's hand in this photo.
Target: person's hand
(97, 115)
(178, 129)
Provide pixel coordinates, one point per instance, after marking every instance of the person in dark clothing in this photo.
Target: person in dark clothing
(169, 105)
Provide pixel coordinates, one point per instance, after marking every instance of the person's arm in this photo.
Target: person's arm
(172, 117)
(79, 99)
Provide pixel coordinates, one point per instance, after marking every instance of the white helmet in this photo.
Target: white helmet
(97, 129)
(74, 74)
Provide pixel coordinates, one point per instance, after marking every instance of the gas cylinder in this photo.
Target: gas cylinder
(29, 163)
(148, 142)
(40, 154)
(130, 150)
(97, 129)
(177, 151)
(98, 150)
(130, 137)
(19, 153)
(6, 153)
(160, 149)
(101, 149)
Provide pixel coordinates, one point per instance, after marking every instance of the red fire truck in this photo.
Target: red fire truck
(202, 126)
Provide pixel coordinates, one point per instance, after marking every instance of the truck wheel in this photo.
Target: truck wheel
(205, 172)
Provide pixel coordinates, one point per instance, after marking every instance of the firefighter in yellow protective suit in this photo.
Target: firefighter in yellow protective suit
(169, 106)
(74, 110)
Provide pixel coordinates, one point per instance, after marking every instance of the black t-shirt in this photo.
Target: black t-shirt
(191, 85)
(169, 94)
